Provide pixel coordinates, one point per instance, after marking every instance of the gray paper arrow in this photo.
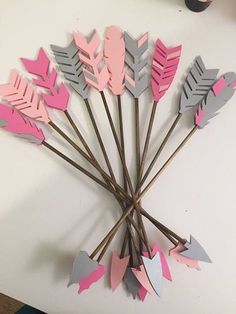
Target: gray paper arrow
(197, 85)
(131, 282)
(195, 251)
(72, 68)
(83, 266)
(154, 271)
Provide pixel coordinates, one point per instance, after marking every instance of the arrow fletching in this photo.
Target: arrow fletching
(114, 53)
(70, 65)
(11, 120)
(95, 71)
(197, 85)
(135, 49)
(164, 66)
(58, 96)
(220, 93)
(153, 269)
(21, 95)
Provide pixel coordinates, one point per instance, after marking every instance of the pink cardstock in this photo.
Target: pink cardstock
(96, 74)
(86, 282)
(142, 277)
(21, 95)
(11, 120)
(58, 97)
(118, 268)
(114, 54)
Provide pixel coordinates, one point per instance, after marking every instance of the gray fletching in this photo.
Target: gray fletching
(197, 85)
(153, 269)
(72, 68)
(83, 266)
(131, 282)
(195, 251)
(135, 49)
(221, 92)
(2, 122)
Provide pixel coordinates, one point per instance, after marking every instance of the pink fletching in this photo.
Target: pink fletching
(164, 66)
(114, 53)
(21, 95)
(58, 96)
(95, 72)
(12, 121)
(165, 268)
(86, 282)
(118, 268)
(175, 253)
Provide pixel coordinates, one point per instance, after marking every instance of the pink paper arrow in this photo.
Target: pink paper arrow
(142, 277)
(58, 96)
(118, 268)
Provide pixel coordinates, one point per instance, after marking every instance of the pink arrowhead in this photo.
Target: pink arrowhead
(86, 282)
(142, 277)
(175, 253)
(118, 268)
(142, 293)
(165, 268)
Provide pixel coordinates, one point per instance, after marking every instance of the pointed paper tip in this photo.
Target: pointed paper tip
(118, 268)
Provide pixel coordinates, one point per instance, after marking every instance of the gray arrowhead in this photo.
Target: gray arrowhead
(83, 266)
(131, 282)
(195, 251)
(154, 271)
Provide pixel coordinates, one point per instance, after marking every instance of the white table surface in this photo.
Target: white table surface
(49, 211)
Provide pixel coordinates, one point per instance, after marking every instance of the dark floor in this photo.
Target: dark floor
(11, 306)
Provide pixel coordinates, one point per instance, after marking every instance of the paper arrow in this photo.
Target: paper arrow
(154, 271)
(83, 267)
(195, 251)
(175, 253)
(118, 268)
(141, 275)
(131, 282)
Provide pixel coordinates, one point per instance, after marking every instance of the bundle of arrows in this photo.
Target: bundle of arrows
(122, 65)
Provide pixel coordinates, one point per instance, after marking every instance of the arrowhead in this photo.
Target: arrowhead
(195, 251)
(165, 268)
(153, 269)
(175, 253)
(142, 277)
(142, 293)
(118, 268)
(131, 282)
(82, 267)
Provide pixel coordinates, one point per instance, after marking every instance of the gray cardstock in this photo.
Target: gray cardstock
(153, 269)
(195, 251)
(83, 266)
(72, 68)
(212, 103)
(136, 62)
(197, 85)
(131, 282)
